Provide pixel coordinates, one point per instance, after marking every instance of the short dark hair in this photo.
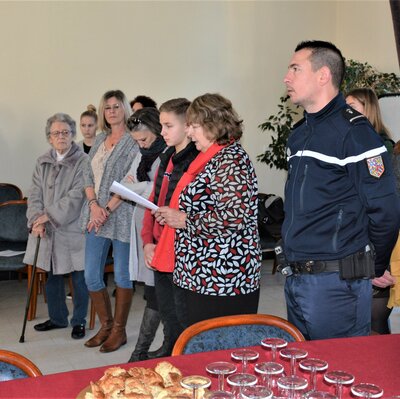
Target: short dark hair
(178, 106)
(325, 54)
(145, 101)
(217, 115)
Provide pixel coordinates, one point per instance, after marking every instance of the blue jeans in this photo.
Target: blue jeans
(324, 306)
(55, 291)
(95, 259)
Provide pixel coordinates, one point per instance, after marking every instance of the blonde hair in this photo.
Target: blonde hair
(90, 112)
(372, 111)
(120, 96)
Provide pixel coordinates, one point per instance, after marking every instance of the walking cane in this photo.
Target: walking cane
(28, 301)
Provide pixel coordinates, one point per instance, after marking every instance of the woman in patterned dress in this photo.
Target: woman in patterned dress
(214, 211)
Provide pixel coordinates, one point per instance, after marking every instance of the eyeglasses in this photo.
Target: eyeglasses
(114, 107)
(59, 133)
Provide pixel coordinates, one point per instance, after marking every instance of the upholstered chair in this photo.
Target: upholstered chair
(234, 332)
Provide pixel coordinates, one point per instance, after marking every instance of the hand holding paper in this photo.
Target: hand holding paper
(124, 192)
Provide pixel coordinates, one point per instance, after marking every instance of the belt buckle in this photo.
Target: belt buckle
(296, 268)
(309, 266)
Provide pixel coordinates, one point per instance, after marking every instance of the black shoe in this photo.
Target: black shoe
(78, 331)
(163, 351)
(47, 326)
(137, 357)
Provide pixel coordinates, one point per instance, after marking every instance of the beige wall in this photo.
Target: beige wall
(61, 56)
(364, 31)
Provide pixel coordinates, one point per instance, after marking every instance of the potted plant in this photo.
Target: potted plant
(279, 125)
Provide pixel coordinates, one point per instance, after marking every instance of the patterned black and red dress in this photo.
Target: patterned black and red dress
(218, 253)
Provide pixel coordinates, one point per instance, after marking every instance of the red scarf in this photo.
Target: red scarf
(164, 255)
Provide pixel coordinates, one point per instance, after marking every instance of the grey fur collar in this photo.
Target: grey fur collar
(70, 159)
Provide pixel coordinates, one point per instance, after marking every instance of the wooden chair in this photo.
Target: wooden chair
(13, 365)
(40, 280)
(234, 332)
(38, 287)
(9, 192)
(268, 250)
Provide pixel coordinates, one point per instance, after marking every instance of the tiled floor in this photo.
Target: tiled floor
(55, 351)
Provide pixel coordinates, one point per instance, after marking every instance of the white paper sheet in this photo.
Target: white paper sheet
(124, 192)
(9, 253)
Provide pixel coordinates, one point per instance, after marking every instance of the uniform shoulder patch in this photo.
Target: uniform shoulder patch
(376, 166)
(352, 115)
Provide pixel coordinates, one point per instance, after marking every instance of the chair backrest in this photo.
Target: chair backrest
(234, 332)
(270, 216)
(9, 192)
(13, 365)
(13, 221)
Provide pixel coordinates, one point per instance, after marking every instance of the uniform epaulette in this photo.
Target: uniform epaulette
(297, 124)
(352, 115)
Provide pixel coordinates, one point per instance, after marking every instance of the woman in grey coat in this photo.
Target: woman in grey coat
(107, 219)
(54, 206)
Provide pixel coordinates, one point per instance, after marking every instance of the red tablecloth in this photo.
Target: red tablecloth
(374, 359)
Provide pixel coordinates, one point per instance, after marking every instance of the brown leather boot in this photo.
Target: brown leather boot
(102, 304)
(123, 300)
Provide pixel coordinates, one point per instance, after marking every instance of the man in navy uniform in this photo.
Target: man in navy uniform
(342, 213)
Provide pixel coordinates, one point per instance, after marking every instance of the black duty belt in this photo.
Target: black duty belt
(346, 264)
(314, 267)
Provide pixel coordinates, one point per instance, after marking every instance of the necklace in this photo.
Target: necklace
(114, 142)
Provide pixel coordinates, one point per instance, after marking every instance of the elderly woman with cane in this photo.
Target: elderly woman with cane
(54, 204)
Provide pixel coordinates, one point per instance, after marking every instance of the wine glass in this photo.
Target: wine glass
(273, 344)
(194, 382)
(256, 392)
(293, 354)
(318, 395)
(244, 355)
(365, 390)
(269, 371)
(219, 395)
(313, 365)
(221, 369)
(339, 378)
(239, 380)
(292, 384)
